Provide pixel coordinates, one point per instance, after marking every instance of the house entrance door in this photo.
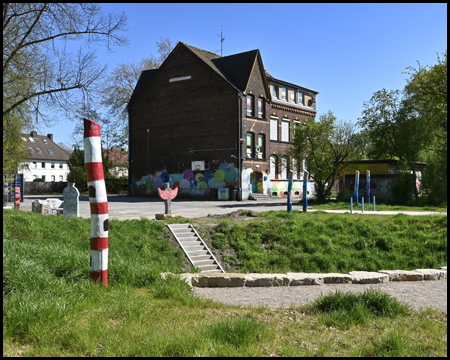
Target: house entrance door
(256, 180)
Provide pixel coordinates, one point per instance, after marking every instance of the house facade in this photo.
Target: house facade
(47, 160)
(204, 122)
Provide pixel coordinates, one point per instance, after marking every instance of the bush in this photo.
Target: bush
(38, 180)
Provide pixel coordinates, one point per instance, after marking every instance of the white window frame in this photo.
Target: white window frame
(285, 130)
(273, 134)
(273, 166)
(284, 167)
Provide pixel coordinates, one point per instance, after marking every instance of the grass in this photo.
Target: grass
(345, 205)
(278, 242)
(50, 308)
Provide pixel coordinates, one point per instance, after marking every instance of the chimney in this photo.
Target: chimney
(50, 136)
(33, 134)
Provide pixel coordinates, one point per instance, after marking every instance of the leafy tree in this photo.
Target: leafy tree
(327, 143)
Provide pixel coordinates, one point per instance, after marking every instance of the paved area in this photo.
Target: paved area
(125, 207)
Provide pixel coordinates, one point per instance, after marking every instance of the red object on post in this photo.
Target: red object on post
(168, 194)
(17, 198)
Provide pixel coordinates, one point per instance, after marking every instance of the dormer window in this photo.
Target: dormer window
(249, 105)
(292, 96)
(283, 94)
(274, 91)
(300, 98)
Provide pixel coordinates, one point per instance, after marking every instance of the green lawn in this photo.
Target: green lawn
(51, 308)
(345, 205)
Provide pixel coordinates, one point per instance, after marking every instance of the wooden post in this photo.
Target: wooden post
(356, 186)
(98, 202)
(305, 190)
(289, 197)
(368, 186)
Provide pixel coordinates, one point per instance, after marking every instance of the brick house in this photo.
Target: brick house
(203, 122)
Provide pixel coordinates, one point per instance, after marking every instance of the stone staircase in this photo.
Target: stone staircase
(258, 196)
(195, 248)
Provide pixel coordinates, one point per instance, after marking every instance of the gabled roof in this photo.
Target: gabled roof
(44, 143)
(145, 77)
(235, 69)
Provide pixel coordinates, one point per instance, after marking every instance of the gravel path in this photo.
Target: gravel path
(418, 294)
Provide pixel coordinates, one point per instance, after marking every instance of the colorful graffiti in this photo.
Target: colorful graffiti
(199, 184)
(226, 176)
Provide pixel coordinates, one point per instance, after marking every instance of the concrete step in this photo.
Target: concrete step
(205, 257)
(259, 196)
(184, 231)
(180, 226)
(188, 239)
(198, 253)
(205, 268)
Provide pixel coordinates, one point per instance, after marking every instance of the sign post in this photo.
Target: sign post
(368, 186)
(356, 186)
(289, 197)
(305, 190)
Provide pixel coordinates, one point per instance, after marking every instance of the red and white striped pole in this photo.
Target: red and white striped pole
(98, 201)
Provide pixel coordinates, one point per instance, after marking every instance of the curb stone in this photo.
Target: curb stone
(305, 279)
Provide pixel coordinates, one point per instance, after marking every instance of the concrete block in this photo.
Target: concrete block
(336, 278)
(252, 280)
(432, 274)
(403, 275)
(218, 279)
(368, 277)
(300, 279)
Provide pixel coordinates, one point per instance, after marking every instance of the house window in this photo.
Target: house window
(274, 129)
(38, 151)
(300, 98)
(45, 141)
(260, 149)
(292, 95)
(34, 165)
(250, 145)
(60, 165)
(52, 165)
(43, 177)
(295, 169)
(285, 130)
(24, 139)
(284, 167)
(60, 178)
(274, 91)
(283, 93)
(249, 105)
(53, 178)
(43, 165)
(273, 166)
(260, 108)
(50, 152)
(31, 149)
(34, 177)
(31, 139)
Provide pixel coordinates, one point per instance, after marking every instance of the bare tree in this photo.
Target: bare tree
(38, 67)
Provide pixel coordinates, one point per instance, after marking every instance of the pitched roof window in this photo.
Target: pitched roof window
(38, 151)
(24, 139)
(31, 139)
(31, 149)
(45, 141)
(50, 151)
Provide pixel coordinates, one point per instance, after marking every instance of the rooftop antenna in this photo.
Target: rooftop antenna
(221, 40)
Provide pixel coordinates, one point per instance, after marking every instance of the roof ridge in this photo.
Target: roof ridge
(206, 51)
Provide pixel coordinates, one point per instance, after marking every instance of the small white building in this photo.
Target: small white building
(47, 160)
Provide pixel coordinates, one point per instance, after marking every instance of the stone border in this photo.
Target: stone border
(301, 279)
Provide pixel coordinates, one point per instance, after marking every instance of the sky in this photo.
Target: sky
(346, 52)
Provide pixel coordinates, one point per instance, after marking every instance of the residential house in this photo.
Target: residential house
(119, 158)
(203, 122)
(47, 160)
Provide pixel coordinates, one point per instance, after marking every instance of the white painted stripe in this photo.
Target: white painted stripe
(97, 221)
(99, 260)
(100, 191)
(180, 78)
(92, 149)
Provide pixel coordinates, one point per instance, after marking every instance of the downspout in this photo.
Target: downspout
(239, 146)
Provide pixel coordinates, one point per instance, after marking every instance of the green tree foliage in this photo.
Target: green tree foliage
(327, 143)
(411, 125)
